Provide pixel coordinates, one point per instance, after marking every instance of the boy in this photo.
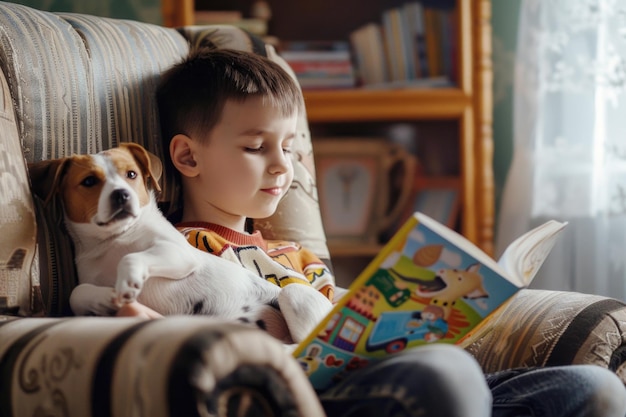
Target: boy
(249, 164)
(228, 123)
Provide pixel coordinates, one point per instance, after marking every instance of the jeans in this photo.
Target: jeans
(445, 381)
(563, 391)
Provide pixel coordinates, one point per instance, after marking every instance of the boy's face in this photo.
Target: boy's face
(245, 165)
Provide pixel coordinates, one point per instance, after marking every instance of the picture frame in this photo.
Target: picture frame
(439, 199)
(354, 185)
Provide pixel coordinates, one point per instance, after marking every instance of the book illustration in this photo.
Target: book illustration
(427, 286)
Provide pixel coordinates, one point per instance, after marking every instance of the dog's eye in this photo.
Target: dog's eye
(131, 174)
(89, 181)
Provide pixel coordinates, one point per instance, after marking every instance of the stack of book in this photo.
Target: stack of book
(413, 45)
(320, 65)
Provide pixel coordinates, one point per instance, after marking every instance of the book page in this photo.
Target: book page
(463, 243)
(525, 255)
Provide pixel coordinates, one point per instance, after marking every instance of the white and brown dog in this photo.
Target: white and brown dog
(126, 250)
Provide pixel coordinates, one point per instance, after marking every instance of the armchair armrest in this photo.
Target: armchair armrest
(191, 366)
(544, 328)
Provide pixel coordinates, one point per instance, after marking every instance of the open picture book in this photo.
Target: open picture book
(428, 284)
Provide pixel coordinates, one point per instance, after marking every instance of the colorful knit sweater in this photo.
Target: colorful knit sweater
(280, 262)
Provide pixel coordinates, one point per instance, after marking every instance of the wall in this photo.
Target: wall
(141, 10)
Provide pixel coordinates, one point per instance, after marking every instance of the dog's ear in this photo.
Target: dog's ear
(149, 163)
(45, 177)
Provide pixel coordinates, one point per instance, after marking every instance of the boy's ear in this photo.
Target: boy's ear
(181, 153)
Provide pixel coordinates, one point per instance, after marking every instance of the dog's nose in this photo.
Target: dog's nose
(120, 196)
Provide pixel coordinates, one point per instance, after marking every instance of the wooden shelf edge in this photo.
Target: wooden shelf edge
(384, 105)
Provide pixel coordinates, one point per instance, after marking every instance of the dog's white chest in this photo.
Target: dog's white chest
(98, 265)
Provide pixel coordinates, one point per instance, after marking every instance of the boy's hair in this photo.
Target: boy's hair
(191, 96)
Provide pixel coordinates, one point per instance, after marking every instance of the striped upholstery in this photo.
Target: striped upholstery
(120, 367)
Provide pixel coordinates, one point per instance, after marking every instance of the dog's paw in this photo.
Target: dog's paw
(130, 278)
(127, 290)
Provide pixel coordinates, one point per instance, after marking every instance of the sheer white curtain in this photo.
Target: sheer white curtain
(569, 158)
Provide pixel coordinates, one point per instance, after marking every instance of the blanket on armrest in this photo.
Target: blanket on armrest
(545, 328)
(191, 366)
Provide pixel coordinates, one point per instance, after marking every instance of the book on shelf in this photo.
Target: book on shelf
(320, 64)
(315, 51)
(411, 41)
(427, 285)
(393, 29)
(369, 53)
(428, 82)
(325, 82)
(413, 13)
(433, 41)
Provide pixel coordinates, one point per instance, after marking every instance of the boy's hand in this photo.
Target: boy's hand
(136, 309)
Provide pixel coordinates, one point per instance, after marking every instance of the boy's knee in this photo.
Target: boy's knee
(441, 380)
(453, 375)
(607, 394)
(448, 361)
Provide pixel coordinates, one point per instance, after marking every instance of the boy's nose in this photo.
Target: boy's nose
(279, 163)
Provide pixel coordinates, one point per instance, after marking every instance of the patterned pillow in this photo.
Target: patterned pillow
(544, 328)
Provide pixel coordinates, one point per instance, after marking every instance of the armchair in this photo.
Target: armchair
(73, 83)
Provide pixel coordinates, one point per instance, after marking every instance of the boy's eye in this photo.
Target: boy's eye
(254, 150)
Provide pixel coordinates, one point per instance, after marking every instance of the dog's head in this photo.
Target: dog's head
(104, 190)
